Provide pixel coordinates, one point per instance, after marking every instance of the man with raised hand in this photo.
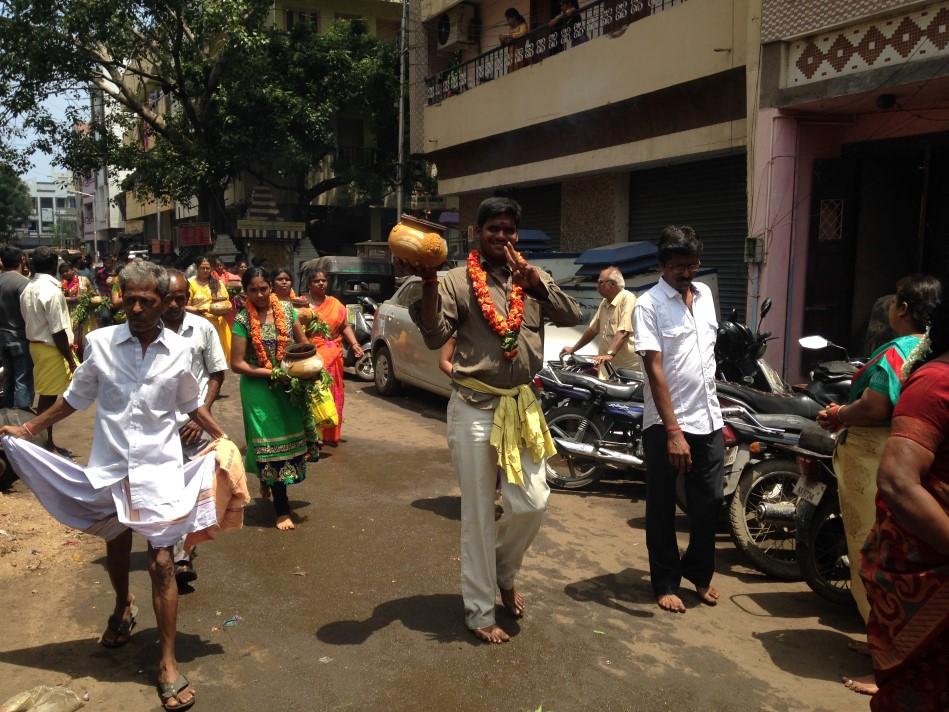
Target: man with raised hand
(495, 307)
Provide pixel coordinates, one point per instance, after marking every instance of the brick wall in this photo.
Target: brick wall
(594, 211)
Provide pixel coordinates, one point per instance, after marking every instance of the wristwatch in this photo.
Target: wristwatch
(610, 353)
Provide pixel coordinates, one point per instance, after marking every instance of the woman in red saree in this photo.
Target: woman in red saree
(905, 563)
(333, 313)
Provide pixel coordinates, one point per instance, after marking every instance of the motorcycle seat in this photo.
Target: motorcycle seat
(789, 423)
(798, 404)
(615, 391)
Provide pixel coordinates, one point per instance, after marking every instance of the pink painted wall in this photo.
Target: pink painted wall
(785, 150)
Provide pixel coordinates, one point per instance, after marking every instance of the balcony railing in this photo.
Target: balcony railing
(598, 18)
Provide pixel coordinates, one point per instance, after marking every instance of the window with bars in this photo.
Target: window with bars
(830, 220)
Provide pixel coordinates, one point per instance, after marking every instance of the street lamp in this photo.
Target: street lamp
(95, 240)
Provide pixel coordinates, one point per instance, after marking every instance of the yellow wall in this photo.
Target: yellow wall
(689, 41)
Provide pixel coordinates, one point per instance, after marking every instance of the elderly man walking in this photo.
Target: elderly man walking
(612, 325)
(49, 331)
(139, 376)
(496, 307)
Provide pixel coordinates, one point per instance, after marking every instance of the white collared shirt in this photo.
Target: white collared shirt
(207, 356)
(44, 309)
(686, 340)
(137, 398)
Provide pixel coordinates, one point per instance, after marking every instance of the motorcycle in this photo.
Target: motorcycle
(362, 328)
(761, 473)
(596, 425)
(739, 354)
(821, 540)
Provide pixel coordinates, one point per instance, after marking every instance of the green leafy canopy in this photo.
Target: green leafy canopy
(210, 85)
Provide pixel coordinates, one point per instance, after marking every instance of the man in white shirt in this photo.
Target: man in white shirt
(612, 325)
(675, 327)
(207, 366)
(49, 331)
(139, 376)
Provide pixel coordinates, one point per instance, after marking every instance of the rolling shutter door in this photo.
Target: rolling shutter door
(708, 195)
(541, 209)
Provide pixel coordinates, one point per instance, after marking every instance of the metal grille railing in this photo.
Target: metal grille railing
(598, 18)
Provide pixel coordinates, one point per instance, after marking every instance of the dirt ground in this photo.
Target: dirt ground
(359, 608)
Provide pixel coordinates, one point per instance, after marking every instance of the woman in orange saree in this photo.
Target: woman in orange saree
(332, 312)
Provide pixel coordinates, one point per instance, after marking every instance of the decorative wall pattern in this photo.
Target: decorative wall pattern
(781, 19)
(911, 37)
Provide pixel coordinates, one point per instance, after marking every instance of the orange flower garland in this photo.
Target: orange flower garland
(283, 332)
(509, 328)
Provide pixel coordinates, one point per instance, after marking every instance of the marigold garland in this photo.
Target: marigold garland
(71, 287)
(508, 329)
(283, 332)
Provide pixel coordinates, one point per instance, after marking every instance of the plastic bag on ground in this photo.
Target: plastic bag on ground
(43, 698)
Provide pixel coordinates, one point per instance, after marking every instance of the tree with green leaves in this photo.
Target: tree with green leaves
(196, 94)
(15, 205)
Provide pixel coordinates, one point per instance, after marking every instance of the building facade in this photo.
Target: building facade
(606, 126)
(54, 216)
(850, 156)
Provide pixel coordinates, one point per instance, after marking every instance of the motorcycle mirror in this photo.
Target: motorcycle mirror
(733, 315)
(765, 307)
(813, 343)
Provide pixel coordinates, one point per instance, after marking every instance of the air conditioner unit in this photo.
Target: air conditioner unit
(456, 28)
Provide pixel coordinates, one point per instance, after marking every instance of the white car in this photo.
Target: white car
(400, 356)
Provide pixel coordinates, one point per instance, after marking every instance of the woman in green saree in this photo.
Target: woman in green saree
(278, 442)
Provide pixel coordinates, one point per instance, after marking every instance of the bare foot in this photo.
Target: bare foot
(708, 595)
(513, 601)
(864, 684)
(859, 647)
(492, 634)
(672, 603)
(284, 523)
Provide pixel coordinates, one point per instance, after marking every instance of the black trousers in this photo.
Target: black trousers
(704, 495)
(281, 503)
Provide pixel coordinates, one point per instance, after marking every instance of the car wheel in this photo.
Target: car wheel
(386, 382)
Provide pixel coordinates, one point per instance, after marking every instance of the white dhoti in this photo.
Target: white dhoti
(65, 491)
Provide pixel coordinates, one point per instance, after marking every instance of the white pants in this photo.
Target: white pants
(491, 553)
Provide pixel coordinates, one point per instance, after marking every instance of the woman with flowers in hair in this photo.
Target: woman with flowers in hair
(278, 439)
(865, 425)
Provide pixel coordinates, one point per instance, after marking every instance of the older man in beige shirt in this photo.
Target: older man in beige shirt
(612, 325)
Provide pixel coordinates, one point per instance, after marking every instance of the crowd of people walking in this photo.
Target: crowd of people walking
(158, 372)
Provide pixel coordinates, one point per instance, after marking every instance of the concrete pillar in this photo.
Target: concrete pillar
(594, 210)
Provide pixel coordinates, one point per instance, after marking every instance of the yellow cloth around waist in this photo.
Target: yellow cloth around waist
(517, 417)
(50, 371)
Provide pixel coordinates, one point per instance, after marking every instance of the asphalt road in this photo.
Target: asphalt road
(359, 608)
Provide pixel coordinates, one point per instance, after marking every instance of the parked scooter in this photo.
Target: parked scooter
(362, 328)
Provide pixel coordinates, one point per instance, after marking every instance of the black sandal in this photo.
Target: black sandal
(121, 628)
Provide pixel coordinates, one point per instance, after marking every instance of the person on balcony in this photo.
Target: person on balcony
(568, 19)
